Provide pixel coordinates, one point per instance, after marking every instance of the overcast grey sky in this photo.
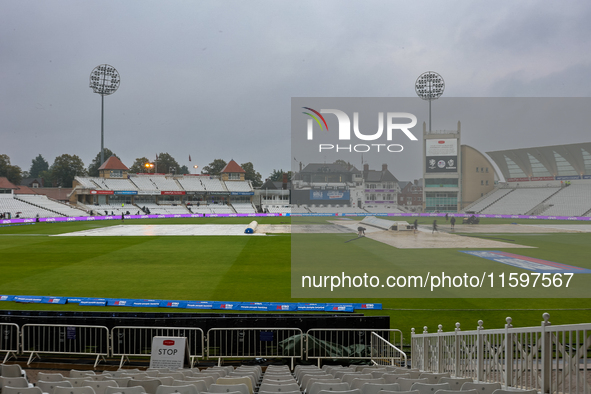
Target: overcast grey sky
(214, 79)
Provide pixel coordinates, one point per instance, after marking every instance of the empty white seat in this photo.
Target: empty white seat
(199, 384)
(319, 386)
(276, 388)
(429, 388)
(375, 388)
(455, 383)
(11, 371)
(125, 390)
(482, 388)
(21, 390)
(48, 387)
(358, 383)
(186, 389)
(434, 378)
(99, 386)
(50, 377)
(73, 390)
(150, 385)
(406, 383)
(463, 392)
(227, 388)
(246, 380)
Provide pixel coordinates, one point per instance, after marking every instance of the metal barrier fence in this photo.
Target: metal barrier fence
(255, 343)
(9, 340)
(329, 343)
(550, 359)
(385, 353)
(65, 339)
(137, 341)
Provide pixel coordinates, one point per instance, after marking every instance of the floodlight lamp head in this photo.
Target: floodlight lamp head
(429, 86)
(104, 80)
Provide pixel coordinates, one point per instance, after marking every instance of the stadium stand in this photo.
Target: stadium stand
(382, 209)
(520, 201)
(238, 186)
(165, 183)
(22, 209)
(162, 209)
(112, 209)
(86, 183)
(572, 200)
(143, 182)
(50, 205)
(116, 184)
(487, 200)
(243, 207)
(191, 184)
(213, 184)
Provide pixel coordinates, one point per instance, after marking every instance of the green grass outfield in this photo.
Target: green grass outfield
(241, 268)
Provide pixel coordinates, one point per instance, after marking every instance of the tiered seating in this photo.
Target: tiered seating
(280, 209)
(161, 209)
(221, 208)
(238, 186)
(300, 209)
(144, 183)
(335, 209)
(112, 209)
(213, 184)
(382, 209)
(164, 183)
(191, 183)
(52, 205)
(116, 184)
(12, 205)
(488, 199)
(243, 207)
(572, 200)
(86, 183)
(520, 201)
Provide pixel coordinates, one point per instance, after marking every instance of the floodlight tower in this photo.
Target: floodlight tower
(429, 86)
(104, 80)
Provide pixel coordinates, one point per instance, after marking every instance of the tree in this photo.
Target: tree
(139, 166)
(214, 168)
(93, 168)
(251, 174)
(277, 175)
(184, 169)
(13, 173)
(167, 164)
(65, 168)
(38, 165)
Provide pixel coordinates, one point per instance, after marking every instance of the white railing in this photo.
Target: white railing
(137, 341)
(65, 339)
(549, 359)
(9, 340)
(255, 343)
(342, 343)
(385, 353)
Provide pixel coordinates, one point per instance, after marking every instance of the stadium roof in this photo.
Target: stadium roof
(6, 184)
(332, 167)
(544, 161)
(113, 163)
(232, 166)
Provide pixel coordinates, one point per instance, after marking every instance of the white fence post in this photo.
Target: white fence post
(545, 384)
(508, 354)
(425, 349)
(440, 358)
(457, 350)
(480, 352)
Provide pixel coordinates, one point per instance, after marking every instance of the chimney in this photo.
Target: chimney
(284, 181)
(384, 167)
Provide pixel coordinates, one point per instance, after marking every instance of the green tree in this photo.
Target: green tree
(13, 173)
(65, 168)
(252, 175)
(139, 166)
(214, 168)
(343, 163)
(184, 169)
(167, 164)
(277, 175)
(93, 168)
(38, 165)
